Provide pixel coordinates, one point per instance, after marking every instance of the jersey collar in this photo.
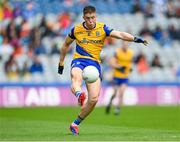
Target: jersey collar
(84, 25)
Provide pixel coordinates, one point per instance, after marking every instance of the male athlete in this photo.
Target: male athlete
(122, 66)
(89, 36)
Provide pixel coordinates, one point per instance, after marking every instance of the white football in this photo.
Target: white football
(90, 74)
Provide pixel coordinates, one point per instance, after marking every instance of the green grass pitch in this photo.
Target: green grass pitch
(51, 124)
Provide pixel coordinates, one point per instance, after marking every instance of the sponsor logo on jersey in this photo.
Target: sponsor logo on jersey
(90, 41)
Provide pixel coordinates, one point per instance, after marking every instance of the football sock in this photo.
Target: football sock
(117, 110)
(78, 120)
(78, 93)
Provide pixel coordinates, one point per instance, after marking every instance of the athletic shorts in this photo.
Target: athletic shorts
(120, 81)
(82, 63)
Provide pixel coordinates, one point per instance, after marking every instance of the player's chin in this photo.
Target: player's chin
(92, 25)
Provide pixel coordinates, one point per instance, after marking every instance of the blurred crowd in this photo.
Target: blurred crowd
(19, 36)
(25, 29)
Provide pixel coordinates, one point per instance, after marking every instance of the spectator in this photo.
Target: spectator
(173, 32)
(5, 46)
(159, 7)
(110, 41)
(157, 34)
(24, 72)
(11, 68)
(142, 64)
(29, 11)
(35, 41)
(165, 40)
(55, 49)
(1, 37)
(68, 3)
(7, 11)
(145, 31)
(44, 28)
(171, 9)
(25, 29)
(156, 62)
(17, 12)
(36, 66)
(1, 13)
(65, 23)
(178, 8)
(39, 49)
(137, 7)
(11, 31)
(65, 20)
(148, 10)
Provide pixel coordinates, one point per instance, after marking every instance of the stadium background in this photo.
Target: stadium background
(32, 32)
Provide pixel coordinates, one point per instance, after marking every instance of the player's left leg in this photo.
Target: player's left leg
(120, 92)
(93, 94)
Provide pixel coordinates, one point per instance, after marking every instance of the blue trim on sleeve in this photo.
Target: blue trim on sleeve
(82, 52)
(107, 30)
(71, 34)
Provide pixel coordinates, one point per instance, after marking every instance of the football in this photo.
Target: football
(90, 74)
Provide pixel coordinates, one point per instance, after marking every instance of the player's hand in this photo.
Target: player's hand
(121, 69)
(60, 68)
(139, 40)
(131, 70)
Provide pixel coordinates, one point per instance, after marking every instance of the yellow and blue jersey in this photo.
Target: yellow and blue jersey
(125, 60)
(89, 43)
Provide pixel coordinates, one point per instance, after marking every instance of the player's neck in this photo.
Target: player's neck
(124, 49)
(88, 27)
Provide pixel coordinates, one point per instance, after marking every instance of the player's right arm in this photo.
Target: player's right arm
(113, 62)
(63, 51)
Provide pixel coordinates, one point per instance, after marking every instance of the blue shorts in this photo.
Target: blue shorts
(120, 81)
(82, 63)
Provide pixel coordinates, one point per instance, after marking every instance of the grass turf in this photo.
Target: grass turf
(135, 123)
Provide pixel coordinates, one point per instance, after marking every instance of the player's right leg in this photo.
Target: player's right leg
(108, 107)
(76, 84)
(121, 90)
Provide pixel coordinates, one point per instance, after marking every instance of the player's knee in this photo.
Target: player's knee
(93, 100)
(76, 78)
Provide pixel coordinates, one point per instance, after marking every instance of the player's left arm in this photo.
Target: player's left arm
(127, 37)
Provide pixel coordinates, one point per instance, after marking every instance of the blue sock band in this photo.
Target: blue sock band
(77, 93)
(78, 120)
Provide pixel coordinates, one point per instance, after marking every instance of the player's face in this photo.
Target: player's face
(90, 20)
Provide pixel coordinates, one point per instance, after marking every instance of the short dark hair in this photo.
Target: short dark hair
(89, 9)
